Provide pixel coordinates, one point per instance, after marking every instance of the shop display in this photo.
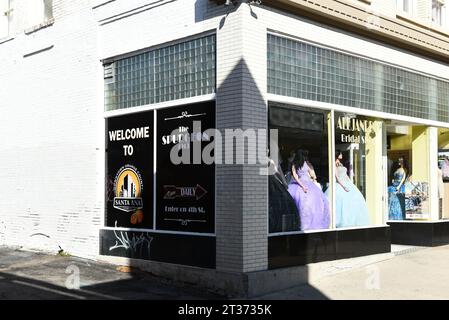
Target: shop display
(313, 206)
(358, 141)
(416, 195)
(283, 214)
(443, 163)
(301, 135)
(396, 191)
(360, 171)
(350, 205)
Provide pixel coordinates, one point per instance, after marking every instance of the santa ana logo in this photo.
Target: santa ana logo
(128, 188)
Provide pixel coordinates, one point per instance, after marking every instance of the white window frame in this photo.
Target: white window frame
(442, 8)
(38, 12)
(411, 4)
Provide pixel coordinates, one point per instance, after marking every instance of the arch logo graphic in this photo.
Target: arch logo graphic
(128, 187)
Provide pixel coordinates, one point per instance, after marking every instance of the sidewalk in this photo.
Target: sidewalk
(406, 273)
(31, 275)
(413, 273)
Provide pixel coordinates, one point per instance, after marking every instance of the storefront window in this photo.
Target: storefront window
(409, 171)
(358, 170)
(382, 170)
(301, 174)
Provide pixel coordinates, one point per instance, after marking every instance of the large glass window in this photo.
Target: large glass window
(301, 70)
(182, 70)
(409, 169)
(299, 187)
(358, 167)
(362, 171)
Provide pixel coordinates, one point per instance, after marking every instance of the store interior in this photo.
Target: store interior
(383, 170)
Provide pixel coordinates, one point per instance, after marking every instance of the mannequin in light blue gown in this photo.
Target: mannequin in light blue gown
(350, 205)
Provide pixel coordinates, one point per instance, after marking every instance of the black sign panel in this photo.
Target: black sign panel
(192, 250)
(129, 172)
(185, 182)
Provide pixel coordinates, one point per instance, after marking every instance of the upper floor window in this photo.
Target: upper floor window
(437, 12)
(39, 12)
(405, 6)
(5, 12)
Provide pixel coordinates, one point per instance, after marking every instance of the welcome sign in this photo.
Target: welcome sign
(129, 173)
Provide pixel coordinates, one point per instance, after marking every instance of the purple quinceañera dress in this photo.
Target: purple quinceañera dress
(313, 206)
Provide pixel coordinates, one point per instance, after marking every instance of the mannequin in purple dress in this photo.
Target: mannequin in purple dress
(313, 206)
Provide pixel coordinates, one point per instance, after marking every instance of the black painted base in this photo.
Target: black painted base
(427, 234)
(191, 250)
(303, 248)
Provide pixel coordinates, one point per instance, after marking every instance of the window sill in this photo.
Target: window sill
(439, 28)
(6, 39)
(402, 15)
(421, 23)
(40, 26)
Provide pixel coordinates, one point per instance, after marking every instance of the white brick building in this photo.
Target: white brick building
(70, 69)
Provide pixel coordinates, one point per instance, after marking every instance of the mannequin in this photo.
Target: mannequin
(351, 209)
(312, 205)
(396, 191)
(283, 215)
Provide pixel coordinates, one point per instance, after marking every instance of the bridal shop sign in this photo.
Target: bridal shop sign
(129, 171)
(353, 129)
(186, 190)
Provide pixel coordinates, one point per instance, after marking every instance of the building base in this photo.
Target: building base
(420, 233)
(227, 284)
(310, 247)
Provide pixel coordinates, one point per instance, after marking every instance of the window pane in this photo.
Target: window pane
(179, 71)
(301, 70)
(408, 172)
(299, 160)
(358, 170)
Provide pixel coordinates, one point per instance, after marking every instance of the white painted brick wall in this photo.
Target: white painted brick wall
(49, 129)
(241, 103)
(160, 23)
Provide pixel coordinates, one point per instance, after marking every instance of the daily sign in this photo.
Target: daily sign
(129, 134)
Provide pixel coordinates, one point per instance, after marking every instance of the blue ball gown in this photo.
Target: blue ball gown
(396, 199)
(350, 206)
